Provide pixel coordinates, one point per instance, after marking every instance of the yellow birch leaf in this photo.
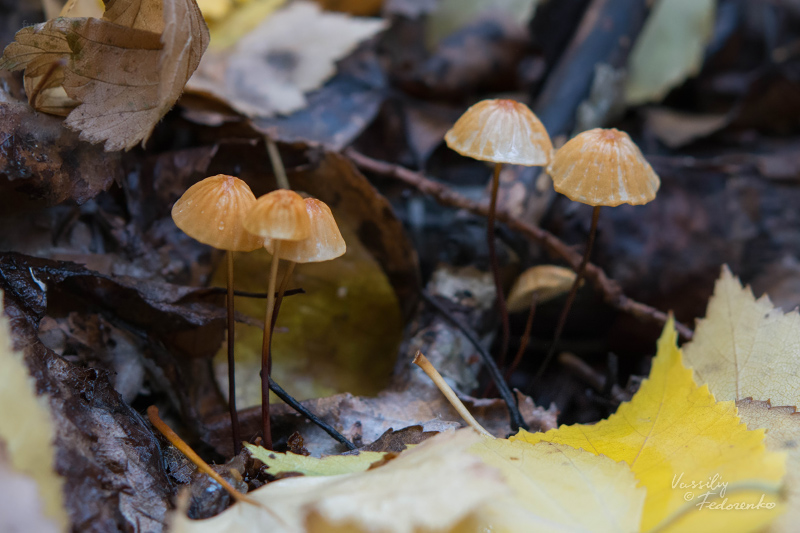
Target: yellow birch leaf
(332, 465)
(26, 429)
(559, 488)
(435, 486)
(745, 348)
(782, 425)
(684, 447)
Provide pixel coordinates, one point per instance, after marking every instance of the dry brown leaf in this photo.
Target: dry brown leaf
(745, 348)
(291, 53)
(782, 425)
(122, 73)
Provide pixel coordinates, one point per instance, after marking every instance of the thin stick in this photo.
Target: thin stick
(160, 425)
(426, 366)
(247, 294)
(444, 195)
(297, 406)
(515, 417)
(235, 431)
(526, 335)
(562, 320)
(498, 283)
(266, 363)
(277, 164)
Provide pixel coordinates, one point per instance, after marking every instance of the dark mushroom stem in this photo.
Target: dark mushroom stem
(498, 284)
(235, 431)
(526, 335)
(266, 362)
(572, 292)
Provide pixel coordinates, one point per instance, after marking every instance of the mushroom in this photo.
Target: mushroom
(500, 131)
(599, 167)
(536, 285)
(277, 217)
(211, 211)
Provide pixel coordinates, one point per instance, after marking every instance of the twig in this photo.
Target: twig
(515, 417)
(611, 291)
(426, 366)
(246, 294)
(297, 406)
(587, 374)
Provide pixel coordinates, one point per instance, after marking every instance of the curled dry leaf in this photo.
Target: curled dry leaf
(120, 74)
(673, 432)
(291, 53)
(746, 348)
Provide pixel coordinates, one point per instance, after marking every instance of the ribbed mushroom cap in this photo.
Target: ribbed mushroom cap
(325, 242)
(547, 281)
(212, 211)
(603, 167)
(501, 131)
(279, 214)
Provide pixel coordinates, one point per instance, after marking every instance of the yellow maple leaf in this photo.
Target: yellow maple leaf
(26, 430)
(559, 488)
(690, 452)
(331, 465)
(782, 425)
(745, 348)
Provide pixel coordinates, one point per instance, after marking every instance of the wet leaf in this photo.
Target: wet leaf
(451, 15)
(289, 54)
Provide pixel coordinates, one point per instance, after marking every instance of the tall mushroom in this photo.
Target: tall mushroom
(211, 211)
(500, 131)
(599, 167)
(277, 217)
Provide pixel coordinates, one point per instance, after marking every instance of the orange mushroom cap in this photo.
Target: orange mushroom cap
(325, 242)
(603, 167)
(212, 212)
(280, 215)
(501, 131)
(547, 281)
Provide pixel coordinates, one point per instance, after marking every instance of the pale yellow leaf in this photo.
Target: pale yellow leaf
(669, 49)
(676, 437)
(745, 348)
(560, 488)
(433, 487)
(26, 429)
(333, 465)
(782, 425)
(289, 54)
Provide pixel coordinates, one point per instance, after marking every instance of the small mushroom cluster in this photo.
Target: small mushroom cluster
(597, 167)
(222, 211)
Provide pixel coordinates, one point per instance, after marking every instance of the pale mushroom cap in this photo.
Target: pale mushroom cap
(547, 281)
(501, 131)
(281, 215)
(603, 167)
(325, 242)
(212, 211)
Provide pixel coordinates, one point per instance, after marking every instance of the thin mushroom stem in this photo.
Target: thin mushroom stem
(498, 283)
(277, 164)
(185, 449)
(235, 431)
(572, 292)
(266, 363)
(282, 291)
(426, 366)
(526, 335)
